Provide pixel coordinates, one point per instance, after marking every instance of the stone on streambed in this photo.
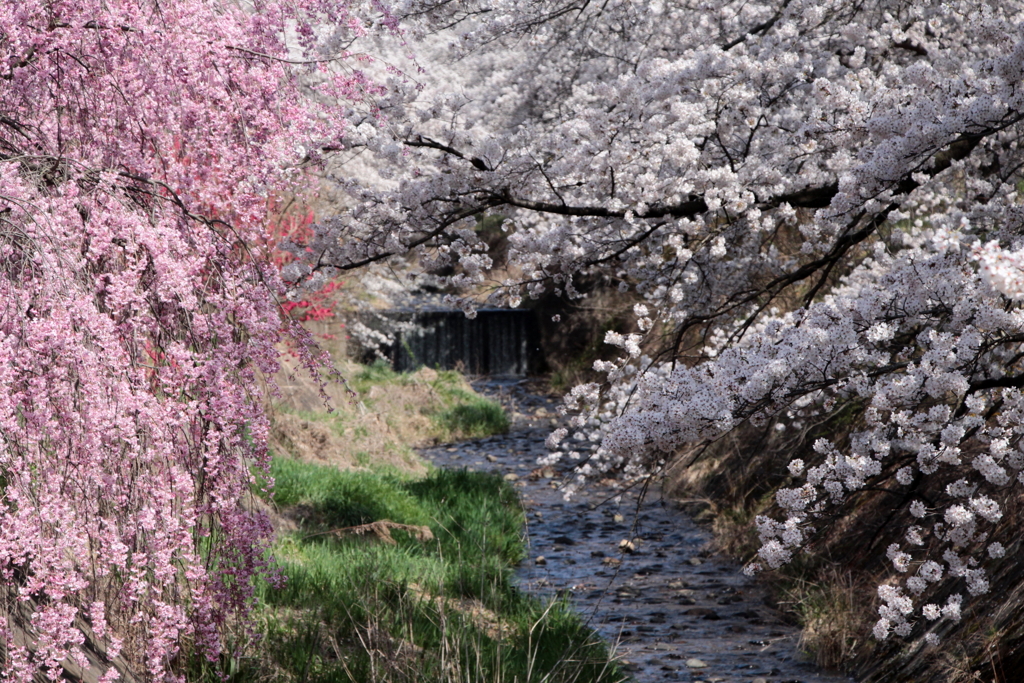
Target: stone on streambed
(695, 663)
(546, 472)
(702, 612)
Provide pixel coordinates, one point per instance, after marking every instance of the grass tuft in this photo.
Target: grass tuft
(474, 417)
(336, 498)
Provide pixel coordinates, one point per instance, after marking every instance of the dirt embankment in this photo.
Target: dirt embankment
(831, 589)
(376, 417)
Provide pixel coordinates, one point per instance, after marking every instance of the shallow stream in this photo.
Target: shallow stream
(672, 610)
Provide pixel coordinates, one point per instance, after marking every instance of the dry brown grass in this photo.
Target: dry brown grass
(834, 613)
(374, 429)
(380, 531)
(471, 609)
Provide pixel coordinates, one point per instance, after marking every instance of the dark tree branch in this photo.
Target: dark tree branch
(761, 28)
(912, 47)
(692, 207)
(420, 141)
(1015, 382)
(812, 197)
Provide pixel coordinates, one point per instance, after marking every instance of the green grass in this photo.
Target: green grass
(471, 416)
(460, 413)
(442, 611)
(338, 499)
(378, 373)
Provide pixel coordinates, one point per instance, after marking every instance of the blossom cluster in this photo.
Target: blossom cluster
(140, 143)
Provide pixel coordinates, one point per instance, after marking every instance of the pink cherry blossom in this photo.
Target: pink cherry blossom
(140, 145)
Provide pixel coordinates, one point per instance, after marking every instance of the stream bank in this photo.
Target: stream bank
(641, 575)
